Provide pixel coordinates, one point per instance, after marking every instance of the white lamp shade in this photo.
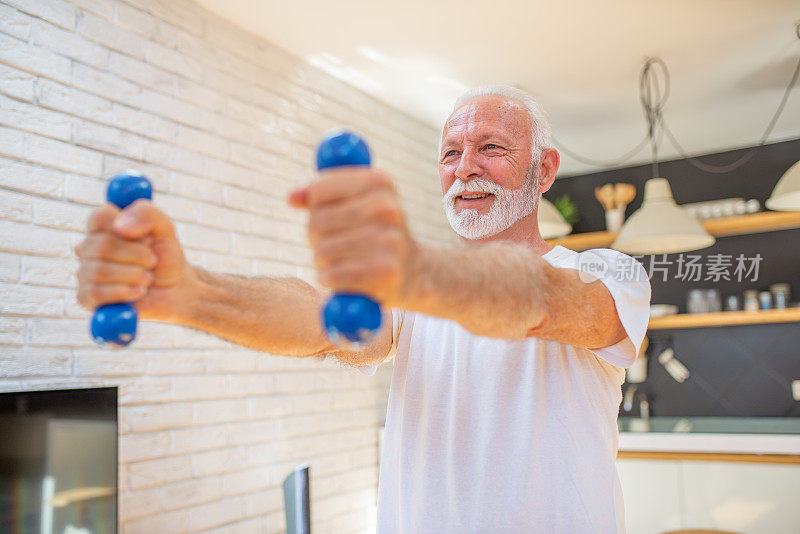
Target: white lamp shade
(551, 223)
(786, 195)
(660, 226)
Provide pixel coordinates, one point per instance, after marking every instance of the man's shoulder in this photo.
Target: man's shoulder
(606, 264)
(567, 255)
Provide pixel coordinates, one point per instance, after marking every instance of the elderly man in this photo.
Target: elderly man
(508, 360)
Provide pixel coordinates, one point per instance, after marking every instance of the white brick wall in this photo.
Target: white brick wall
(224, 124)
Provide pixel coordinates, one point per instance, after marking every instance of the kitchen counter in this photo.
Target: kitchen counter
(718, 435)
(713, 443)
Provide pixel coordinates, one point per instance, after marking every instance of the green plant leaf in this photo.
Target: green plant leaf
(567, 208)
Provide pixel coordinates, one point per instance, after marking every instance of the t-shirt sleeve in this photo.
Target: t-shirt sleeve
(397, 321)
(626, 279)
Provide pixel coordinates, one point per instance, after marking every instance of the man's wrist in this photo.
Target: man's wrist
(182, 305)
(417, 285)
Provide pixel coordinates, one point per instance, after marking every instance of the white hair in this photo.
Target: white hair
(540, 134)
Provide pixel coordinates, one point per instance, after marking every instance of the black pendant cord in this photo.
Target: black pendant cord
(653, 98)
(747, 156)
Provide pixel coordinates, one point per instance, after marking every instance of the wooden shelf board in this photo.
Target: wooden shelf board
(765, 221)
(585, 241)
(711, 457)
(697, 320)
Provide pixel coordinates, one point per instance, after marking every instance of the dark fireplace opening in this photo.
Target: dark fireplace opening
(58, 461)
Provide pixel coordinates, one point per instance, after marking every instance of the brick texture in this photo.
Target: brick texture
(224, 123)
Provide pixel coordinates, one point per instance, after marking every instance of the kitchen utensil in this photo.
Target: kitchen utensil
(614, 198)
(623, 194)
(674, 367)
(605, 195)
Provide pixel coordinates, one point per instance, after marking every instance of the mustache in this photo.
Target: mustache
(476, 185)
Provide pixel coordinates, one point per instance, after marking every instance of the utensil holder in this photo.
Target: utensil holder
(614, 219)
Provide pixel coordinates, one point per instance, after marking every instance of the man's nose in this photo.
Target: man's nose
(468, 166)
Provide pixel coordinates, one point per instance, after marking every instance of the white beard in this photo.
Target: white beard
(509, 206)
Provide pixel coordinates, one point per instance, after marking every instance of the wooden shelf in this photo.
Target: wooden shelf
(697, 320)
(711, 457)
(585, 241)
(754, 223)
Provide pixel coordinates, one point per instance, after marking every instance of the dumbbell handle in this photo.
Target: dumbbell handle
(349, 319)
(115, 324)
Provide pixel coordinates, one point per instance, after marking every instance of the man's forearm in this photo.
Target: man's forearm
(274, 315)
(494, 290)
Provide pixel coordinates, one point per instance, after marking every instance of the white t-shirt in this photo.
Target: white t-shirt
(499, 436)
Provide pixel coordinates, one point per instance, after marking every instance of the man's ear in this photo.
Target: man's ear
(548, 167)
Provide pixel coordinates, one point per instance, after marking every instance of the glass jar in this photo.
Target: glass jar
(713, 300)
(765, 300)
(781, 295)
(696, 301)
(751, 300)
(732, 303)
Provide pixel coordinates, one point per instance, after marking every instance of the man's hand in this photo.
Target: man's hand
(132, 255)
(358, 233)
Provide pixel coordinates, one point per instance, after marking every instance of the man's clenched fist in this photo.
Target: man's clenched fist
(131, 255)
(358, 233)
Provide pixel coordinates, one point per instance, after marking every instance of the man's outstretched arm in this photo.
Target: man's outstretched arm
(509, 291)
(274, 315)
(362, 244)
(134, 256)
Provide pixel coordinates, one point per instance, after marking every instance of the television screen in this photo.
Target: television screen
(58, 461)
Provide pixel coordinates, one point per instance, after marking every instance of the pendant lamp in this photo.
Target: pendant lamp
(786, 195)
(660, 226)
(551, 223)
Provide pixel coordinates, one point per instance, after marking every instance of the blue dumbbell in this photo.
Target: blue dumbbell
(115, 324)
(349, 319)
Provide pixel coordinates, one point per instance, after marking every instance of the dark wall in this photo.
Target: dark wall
(735, 370)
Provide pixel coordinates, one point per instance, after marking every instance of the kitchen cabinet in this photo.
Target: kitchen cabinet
(751, 498)
(652, 493)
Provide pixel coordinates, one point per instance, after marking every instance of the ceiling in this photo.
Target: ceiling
(729, 61)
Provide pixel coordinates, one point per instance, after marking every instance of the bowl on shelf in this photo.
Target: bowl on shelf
(662, 310)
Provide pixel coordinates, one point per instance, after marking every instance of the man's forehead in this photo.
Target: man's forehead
(491, 111)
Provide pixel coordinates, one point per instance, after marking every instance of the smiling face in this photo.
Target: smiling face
(485, 167)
